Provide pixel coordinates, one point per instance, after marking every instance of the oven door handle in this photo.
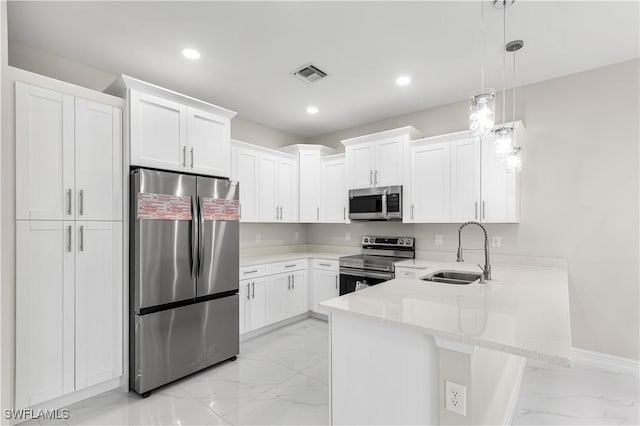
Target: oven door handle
(368, 274)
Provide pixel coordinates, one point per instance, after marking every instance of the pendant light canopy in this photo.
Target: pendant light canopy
(482, 103)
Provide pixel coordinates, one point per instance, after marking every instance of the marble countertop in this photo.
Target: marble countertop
(282, 257)
(522, 310)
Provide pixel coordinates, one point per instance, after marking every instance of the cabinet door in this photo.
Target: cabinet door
(465, 180)
(209, 143)
(333, 193)
(267, 192)
(259, 313)
(44, 311)
(158, 132)
(325, 286)
(44, 154)
(499, 188)
(309, 187)
(287, 190)
(430, 177)
(98, 159)
(244, 291)
(98, 302)
(279, 289)
(247, 174)
(360, 158)
(387, 168)
(297, 294)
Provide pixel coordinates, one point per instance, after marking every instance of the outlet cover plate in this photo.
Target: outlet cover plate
(496, 242)
(455, 398)
(438, 240)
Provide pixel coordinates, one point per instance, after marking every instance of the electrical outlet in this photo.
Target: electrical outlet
(438, 240)
(257, 238)
(296, 236)
(456, 398)
(347, 236)
(496, 242)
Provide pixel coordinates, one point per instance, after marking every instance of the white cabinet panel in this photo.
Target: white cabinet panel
(465, 179)
(268, 188)
(44, 154)
(44, 311)
(208, 143)
(325, 286)
(253, 304)
(333, 192)
(98, 304)
(388, 162)
(310, 203)
(158, 132)
(98, 160)
(244, 293)
(247, 174)
(297, 295)
(287, 190)
(360, 165)
(430, 183)
(279, 288)
(499, 188)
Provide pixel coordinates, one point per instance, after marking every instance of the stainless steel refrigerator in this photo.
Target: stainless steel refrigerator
(183, 291)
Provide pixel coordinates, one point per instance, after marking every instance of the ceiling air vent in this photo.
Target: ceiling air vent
(310, 73)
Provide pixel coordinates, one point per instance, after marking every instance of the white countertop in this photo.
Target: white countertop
(282, 257)
(522, 310)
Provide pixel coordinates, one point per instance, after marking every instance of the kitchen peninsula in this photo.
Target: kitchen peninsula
(411, 351)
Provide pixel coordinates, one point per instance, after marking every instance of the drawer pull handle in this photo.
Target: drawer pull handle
(250, 272)
(289, 266)
(324, 264)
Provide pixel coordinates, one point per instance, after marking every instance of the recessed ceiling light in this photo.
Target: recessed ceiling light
(191, 54)
(312, 110)
(403, 80)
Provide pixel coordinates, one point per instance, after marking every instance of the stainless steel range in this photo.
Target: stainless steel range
(376, 263)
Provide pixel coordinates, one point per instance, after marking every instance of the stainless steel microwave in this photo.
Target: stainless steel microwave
(382, 203)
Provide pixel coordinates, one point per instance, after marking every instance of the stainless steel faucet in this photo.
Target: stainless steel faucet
(486, 271)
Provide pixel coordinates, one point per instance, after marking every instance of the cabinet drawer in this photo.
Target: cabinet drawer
(326, 265)
(253, 271)
(292, 265)
(406, 273)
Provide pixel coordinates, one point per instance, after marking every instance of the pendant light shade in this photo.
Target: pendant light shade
(513, 160)
(482, 112)
(503, 142)
(482, 104)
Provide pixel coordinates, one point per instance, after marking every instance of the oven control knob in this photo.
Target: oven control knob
(366, 240)
(401, 242)
(407, 242)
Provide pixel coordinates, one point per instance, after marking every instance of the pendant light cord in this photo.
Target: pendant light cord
(504, 61)
(482, 45)
(513, 98)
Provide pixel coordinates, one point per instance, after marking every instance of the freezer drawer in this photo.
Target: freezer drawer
(176, 342)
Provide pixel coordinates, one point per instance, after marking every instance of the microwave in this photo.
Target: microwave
(381, 203)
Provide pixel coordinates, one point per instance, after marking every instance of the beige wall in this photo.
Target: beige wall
(579, 196)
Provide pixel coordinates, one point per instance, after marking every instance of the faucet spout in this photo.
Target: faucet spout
(486, 273)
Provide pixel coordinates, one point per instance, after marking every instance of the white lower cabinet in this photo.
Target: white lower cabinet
(253, 304)
(287, 295)
(326, 285)
(68, 307)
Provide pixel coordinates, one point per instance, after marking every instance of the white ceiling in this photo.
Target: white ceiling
(249, 48)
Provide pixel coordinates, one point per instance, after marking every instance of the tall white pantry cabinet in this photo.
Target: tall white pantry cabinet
(68, 244)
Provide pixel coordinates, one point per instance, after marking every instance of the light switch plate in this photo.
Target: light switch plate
(347, 236)
(456, 398)
(438, 240)
(296, 236)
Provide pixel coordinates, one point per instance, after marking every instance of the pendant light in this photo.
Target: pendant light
(513, 159)
(482, 103)
(503, 142)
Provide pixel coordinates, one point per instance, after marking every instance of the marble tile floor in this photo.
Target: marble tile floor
(280, 378)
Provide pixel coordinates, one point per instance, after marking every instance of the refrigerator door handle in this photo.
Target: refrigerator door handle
(194, 239)
(200, 237)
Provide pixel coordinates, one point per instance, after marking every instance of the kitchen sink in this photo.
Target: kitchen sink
(453, 277)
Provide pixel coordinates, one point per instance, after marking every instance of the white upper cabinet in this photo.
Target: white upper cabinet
(171, 131)
(287, 190)
(246, 173)
(465, 180)
(377, 159)
(68, 157)
(268, 189)
(208, 143)
(500, 188)
(333, 192)
(158, 132)
(309, 164)
(98, 160)
(430, 182)
(44, 154)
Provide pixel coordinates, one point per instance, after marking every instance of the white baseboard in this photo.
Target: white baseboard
(271, 327)
(606, 361)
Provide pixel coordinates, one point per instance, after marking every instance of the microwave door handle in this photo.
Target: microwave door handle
(384, 204)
